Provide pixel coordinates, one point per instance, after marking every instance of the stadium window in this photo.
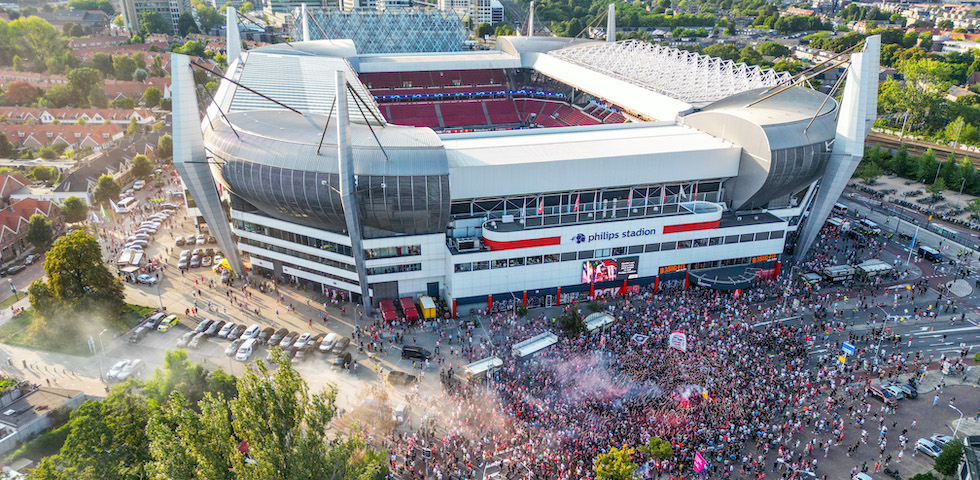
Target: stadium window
(701, 265)
(500, 263)
(761, 236)
(653, 247)
(635, 249)
(700, 242)
(747, 237)
(684, 244)
(585, 254)
(565, 257)
(535, 260)
(551, 258)
(517, 262)
(731, 239)
(484, 265)
(464, 267)
(715, 241)
(619, 251)
(668, 246)
(775, 234)
(603, 252)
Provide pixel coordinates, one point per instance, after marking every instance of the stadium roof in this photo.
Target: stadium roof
(682, 75)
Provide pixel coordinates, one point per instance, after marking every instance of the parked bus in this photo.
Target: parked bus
(128, 204)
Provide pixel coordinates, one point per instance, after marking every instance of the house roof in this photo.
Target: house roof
(35, 404)
(10, 183)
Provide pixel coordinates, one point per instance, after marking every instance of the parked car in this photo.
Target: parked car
(14, 270)
(117, 369)
(340, 345)
(418, 353)
(30, 259)
(195, 262)
(198, 340)
(895, 390)
(215, 328)
(133, 369)
(300, 355)
(928, 447)
(327, 343)
(184, 340)
(302, 341)
(233, 346)
(168, 323)
(226, 329)
(138, 334)
(277, 336)
(237, 331)
(204, 325)
(179, 241)
(153, 321)
(288, 340)
(265, 334)
(880, 393)
(146, 279)
(342, 361)
(315, 341)
(908, 390)
(201, 240)
(251, 332)
(941, 440)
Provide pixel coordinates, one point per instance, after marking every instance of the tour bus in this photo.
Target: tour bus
(128, 204)
(840, 209)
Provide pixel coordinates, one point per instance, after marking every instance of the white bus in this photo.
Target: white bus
(128, 204)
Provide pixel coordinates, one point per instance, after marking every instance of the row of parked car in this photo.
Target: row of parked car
(125, 369)
(199, 257)
(244, 340)
(146, 230)
(199, 239)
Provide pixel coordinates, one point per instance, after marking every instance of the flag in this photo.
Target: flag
(699, 463)
(577, 197)
(695, 191)
(629, 200)
(102, 210)
(682, 192)
(115, 208)
(540, 205)
(663, 194)
(95, 218)
(221, 189)
(524, 211)
(912, 243)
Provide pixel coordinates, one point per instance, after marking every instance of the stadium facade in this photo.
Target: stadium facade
(542, 172)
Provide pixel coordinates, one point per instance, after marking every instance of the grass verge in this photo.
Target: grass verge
(17, 332)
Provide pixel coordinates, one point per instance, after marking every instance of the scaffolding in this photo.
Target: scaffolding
(679, 74)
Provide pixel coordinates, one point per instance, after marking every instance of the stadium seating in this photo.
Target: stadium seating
(506, 112)
(502, 110)
(411, 83)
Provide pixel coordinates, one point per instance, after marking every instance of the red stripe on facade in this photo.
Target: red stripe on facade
(514, 244)
(690, 227)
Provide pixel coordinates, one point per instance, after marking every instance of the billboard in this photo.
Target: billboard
(594, 271)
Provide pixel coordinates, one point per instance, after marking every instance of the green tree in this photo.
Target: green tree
(947, 24)
(616, 464)
(924, 476)
(104, 5)
(106, 189)
(124, 103)
(927, 167)
(142, 168)
(78, 278)
(133, 128)
(103, 63)
(83, 80)
(925, 41)
(571, 321)
(937, 188)
(208, 18)
(153, 22)
(123, 67)
(719, 50)
(44, 174)
(948, 461)
(39, 231)
(773, 49)
(186, 24)
(869, 172)
(34, 39)
(152, 96)
(74, 210)
(246, 7)
(61, 96)
(7, 149)
(657, 449)
(165, 147)
(902, 165)
(974, 208)
(484, 30)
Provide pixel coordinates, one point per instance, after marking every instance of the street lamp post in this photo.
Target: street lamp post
(957, 426)
(103, 351)
(13, 289)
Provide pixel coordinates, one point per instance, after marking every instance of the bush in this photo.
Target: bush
(571, 322)
(595, 306)
(521, 311)
(976, 358)
(949, 460)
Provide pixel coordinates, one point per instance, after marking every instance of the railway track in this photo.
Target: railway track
(918, 147)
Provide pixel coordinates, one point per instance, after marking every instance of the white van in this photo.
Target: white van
(245, 350)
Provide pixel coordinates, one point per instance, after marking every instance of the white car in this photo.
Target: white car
(941, 440)
(145, 279)
(327, 344)
(898, 392)
(117, 369)
(139, 185)
(251, 332)
(927, 447)
(225, 330)
(134, 368)
(302, 341)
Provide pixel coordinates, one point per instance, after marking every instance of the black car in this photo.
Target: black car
(277, 337)
(153, 321)
(203, 326)
(265, 334)
(418, 353)
(342, 361)
(15, 269)
(401, 378)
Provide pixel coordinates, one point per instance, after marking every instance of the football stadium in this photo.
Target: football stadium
(541, 172)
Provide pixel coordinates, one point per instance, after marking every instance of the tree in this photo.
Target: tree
(974, 208)
(925, 41)
(924, 476)
(35, 39)
(869, 172)
(571, 321)
(949, 460)
(62, 95)
(616, 464)
(133, 128)
(74, 210)
(657, 449)
(727, 52)
(275, 417)
(7, 149)
(124, 103)
(43, 174)
(123, 66)
(78, 277)
(83, 80)
(246, 7)
(186, 24)
(106, 189)
(208, 18)
(946, 24)
(927, 167)
(153, 22)
(39, 231)
(937, 188)
(103, 62)
(165, 147)
(22, 93)
(104, 5)
(142, 168)
(901, 164)
(152, 96)
(773, 49)
(484, 30)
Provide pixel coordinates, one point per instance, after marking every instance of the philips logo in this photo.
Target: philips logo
(580, 238)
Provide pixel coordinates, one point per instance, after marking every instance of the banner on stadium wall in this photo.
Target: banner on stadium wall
(699, 463)
(678, 340)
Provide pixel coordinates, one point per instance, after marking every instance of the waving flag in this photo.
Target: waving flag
(577, 196)
(540, 205)
(102, 210)
(115, 208)
(629, 200)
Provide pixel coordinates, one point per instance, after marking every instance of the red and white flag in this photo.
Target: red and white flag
(629, 200)
(540, 205)
(577, 197)
(663, 194)
(695, 191)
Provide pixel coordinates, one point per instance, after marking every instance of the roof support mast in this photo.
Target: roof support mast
(306, 22)
(611, 23)
(233, 44)
(530, 20)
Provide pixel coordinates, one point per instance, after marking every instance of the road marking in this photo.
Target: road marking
(781, 320)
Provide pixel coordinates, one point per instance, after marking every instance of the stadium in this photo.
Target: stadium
(542, 172)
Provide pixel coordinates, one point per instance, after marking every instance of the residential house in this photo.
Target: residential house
(26, 412)
(10, 183)
(13, 226)
(94, 20)
(95, 136)
(47, 116)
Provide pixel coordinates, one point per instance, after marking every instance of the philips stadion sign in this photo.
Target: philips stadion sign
(606, 236)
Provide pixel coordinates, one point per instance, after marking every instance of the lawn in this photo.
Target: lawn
(16, 332)
(7, 302)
